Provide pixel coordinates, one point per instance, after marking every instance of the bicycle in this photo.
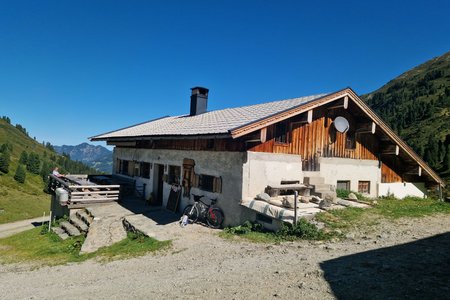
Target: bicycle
(200, 210)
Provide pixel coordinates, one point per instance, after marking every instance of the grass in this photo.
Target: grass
(48, 249)
(254, 232)
(18, 205)
(389, 208)
(337, 222)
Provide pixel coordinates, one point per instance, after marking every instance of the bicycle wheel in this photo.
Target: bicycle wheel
(192, 213)
(215, 217)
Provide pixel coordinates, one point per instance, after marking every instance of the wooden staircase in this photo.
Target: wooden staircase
(77, 224)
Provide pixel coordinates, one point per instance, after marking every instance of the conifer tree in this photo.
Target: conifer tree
(20, 174)
(34, 163)
(23, 157)
(4, 163)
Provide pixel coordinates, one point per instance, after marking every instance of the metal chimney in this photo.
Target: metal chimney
(199, 100)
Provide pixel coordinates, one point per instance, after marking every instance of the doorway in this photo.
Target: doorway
(158, 185)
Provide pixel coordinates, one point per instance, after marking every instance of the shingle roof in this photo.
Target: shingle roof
(212, 122)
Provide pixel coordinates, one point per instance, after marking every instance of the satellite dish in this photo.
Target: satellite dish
(341, 124)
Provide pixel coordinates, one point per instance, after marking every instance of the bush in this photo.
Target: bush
(303, 230)
(245, 228)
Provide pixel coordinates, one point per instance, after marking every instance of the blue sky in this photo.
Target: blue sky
(73, 69)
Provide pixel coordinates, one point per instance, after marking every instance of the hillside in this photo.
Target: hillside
(26, 200)
(416, 105)
(97, 157)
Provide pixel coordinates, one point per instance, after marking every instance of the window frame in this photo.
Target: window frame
(361, 189)
(346, 182)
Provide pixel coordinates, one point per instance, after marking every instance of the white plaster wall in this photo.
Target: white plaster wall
(402, 189)
(228, 165)
(262, 169)
(354, 170)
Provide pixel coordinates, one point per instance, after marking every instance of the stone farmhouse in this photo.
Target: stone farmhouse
(233, 154)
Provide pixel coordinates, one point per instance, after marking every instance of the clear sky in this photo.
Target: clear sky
(73, 69)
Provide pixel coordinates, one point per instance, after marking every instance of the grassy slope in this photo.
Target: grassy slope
(403, 101)
(21, 201)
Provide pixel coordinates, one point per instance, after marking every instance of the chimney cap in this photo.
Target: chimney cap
(199, 90)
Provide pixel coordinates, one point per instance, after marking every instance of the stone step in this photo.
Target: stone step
(313, 180)
(322, 187)
(78, 223)
(70, 229)
(83, 215)
(60, 232)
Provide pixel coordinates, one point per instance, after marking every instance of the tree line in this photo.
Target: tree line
(407, 104)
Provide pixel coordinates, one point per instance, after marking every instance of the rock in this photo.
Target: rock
(305, 199)
(315, 199)
(325, 203)
(352, 196)
(263, 196)
(331, 197)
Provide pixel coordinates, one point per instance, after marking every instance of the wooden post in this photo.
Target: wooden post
(295, 207)
(50, 221)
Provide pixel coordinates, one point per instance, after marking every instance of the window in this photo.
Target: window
(364, 187)
(145, 170)
(206, 183)
(343, 185)
(281, 132)
(174, 175)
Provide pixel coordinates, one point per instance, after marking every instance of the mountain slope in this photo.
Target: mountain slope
(416, 105)
(27, 200)
(97, 157)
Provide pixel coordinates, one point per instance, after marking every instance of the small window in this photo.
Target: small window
(145, 170)
(206, 183)
(281, 132)
(174, 175)
(364, 187)
(343, 185)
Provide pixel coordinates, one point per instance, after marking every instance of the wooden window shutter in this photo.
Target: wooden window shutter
(196, 180)
(217, 185)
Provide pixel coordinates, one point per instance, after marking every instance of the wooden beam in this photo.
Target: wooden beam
(305, 117)
(344, 104)
(391, 149)
(415, 171)
(369, 127)
(263, 134)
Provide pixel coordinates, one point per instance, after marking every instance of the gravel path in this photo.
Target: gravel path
(395, 260)
(19, 226)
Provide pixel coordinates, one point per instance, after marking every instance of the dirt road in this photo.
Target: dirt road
(395, 260)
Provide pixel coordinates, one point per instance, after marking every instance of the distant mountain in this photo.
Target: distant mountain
(416, 105)
(97, 157)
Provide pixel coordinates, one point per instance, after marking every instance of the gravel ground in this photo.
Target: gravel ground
(394, 260)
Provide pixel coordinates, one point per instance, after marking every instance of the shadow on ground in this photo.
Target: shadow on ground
(158, 214)
(416, 270)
